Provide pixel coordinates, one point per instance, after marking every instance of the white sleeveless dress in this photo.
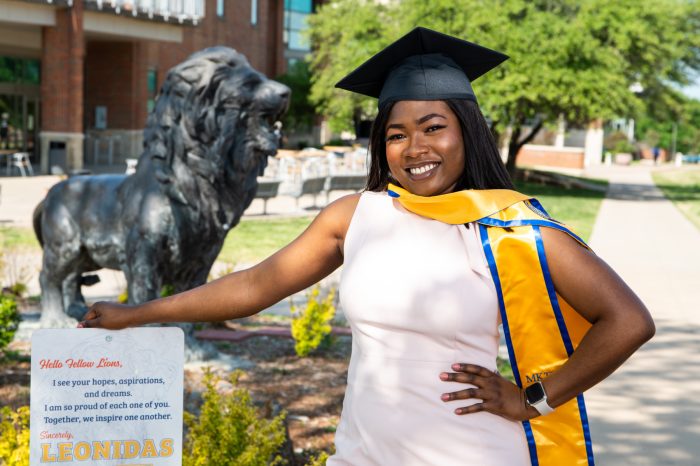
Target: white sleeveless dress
(419, 297)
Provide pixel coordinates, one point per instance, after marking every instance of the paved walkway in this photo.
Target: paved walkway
(648, 412)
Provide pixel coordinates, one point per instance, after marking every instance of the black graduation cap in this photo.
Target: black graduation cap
(423, 65)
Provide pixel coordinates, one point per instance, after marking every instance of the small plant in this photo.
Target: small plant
(311, 326)
(167, 290)
(229, 430)
(318, 460)
(9, 319)
(123, 297)
(15, 273)
(18, 289)
(14, 436)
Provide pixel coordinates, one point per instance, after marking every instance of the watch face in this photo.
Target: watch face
(534, 393)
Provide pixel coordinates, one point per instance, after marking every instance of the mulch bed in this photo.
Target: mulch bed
(309, 389)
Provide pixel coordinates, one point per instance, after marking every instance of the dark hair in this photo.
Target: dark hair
(483, 167)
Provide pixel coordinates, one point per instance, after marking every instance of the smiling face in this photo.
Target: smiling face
(424, 146)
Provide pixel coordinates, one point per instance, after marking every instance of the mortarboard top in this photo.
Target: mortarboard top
(422, 65)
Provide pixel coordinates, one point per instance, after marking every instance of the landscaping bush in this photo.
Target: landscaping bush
(228, 431)
(9, 320)
(14, 436)
(311, 326)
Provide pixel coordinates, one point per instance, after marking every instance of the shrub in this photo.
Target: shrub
(228, 430)
(14, 436)
(311, 326)
(9, 319)
(319, 460)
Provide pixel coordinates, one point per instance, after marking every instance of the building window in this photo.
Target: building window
(253, 12)
(220, 8)
(151, 89)
(19, 70)
(296, 13)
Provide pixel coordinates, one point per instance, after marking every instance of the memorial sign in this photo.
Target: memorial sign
(107, 398)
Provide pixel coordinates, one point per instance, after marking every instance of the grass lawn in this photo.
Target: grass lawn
(577, 208)
(254, 239)
(17, 238)
(682, 186)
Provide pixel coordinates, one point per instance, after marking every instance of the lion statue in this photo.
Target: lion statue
(205, 144)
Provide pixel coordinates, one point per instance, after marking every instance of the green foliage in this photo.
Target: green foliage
(229, 432)
(504, 368)
(344, 34)
(659, 125)
(9, 319)
(318, 460)
(167, 290)
(614, 140)
(18, 289)
(585, 58)
(311, 326)
(14, 436)
(301, 112)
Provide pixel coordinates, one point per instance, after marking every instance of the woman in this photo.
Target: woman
(437, 252)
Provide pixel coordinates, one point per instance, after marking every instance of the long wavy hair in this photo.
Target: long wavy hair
(483, 167)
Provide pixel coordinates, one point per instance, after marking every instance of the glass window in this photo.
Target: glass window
(296, 13)
(303, 6)
(32, 74)
(297, 41)
(19, 70)
(297, 20)
(253, 12)
(219, 7)
(152, 89)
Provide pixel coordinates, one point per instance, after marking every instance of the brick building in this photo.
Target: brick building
(78, 77)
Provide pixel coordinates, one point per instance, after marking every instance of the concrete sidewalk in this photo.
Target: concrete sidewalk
(648, 412)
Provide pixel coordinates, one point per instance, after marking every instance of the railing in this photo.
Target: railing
(191, 11)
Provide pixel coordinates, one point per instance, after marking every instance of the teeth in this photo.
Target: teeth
(423, 169)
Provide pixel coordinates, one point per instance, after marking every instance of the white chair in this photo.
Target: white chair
(21, 161)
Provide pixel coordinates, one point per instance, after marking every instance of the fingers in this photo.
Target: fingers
(467, 373)
(466, 394)
(476, 408)
(493, 393)
(472, 369)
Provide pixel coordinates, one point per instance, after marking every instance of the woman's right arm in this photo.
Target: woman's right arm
(316, 253)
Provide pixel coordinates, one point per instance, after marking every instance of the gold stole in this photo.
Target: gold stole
(541, 329)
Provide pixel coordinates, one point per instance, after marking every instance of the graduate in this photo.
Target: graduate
(437, 252)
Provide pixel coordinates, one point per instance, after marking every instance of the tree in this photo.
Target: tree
(301, 112)
(568, 58)
(656, 128)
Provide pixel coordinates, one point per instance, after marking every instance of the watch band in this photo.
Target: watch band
(537, 398)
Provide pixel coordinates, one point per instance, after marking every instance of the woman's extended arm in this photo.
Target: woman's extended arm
(310, 257)
(620, 325)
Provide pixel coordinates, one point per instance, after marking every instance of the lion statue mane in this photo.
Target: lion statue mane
(205, 144)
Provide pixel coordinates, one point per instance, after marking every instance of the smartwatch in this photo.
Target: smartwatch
(537, 398)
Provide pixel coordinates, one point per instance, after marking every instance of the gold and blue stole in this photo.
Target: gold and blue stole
(541, 329)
